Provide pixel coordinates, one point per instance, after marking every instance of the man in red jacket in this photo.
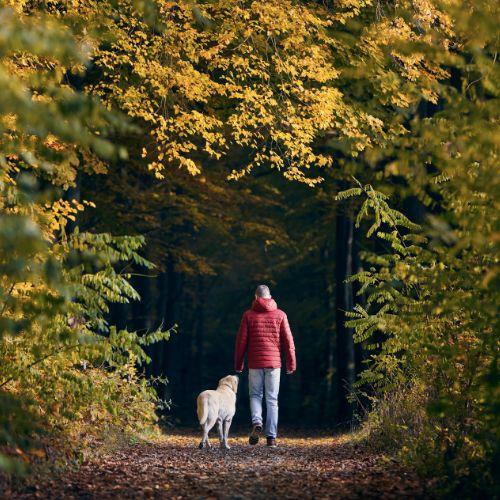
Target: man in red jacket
(264, 333)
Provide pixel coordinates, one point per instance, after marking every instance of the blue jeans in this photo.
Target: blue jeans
(267, 379)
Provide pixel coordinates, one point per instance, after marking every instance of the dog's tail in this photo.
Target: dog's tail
(202, 408)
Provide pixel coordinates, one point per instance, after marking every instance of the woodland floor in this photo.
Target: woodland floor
(301, 467)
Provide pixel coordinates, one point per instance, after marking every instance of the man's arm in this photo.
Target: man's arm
(241, 345)
(288, 345)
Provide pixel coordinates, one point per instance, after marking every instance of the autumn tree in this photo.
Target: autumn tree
(432, 291)
(56, 284)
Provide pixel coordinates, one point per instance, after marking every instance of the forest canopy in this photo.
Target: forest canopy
(158, 160)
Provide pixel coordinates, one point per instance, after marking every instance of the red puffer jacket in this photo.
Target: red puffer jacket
(264, 332)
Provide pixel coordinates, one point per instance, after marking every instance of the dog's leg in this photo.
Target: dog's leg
(209, 424)
(227, 424)
(205, 442)
(204, 439)
(221, 432)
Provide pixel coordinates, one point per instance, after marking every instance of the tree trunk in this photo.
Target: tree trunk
(327, 409)
(346, 361)
(163, 350)
(197, 347)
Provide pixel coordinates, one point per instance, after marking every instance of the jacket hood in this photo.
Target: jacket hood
(264, 305)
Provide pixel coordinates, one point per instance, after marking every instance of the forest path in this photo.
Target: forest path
(301, 467)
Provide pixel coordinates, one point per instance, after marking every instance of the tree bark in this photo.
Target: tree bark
(164, 351)
(328, 407)
(197, 348)
(346, 360)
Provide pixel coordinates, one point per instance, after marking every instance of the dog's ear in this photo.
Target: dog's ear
(234, 382)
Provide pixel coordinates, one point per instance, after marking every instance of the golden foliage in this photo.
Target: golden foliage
(265, 77)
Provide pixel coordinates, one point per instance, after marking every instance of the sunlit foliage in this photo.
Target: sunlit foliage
(430, 316)
(60, 362)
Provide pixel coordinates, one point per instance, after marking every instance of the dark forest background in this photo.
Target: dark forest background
(213, 242)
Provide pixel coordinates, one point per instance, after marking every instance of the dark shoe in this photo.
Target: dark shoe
(255, 434)
(271, 442)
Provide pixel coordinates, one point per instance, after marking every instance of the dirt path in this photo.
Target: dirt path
(301, 467)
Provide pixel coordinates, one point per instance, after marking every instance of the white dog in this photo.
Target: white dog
(218, 406)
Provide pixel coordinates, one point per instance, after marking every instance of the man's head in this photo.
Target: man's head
(263, 292)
